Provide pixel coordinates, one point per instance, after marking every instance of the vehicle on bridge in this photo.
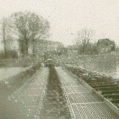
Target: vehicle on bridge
(49, 63)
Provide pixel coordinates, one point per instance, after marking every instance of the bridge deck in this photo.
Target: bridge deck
(83, 104)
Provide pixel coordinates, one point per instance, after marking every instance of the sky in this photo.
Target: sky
(67, 17)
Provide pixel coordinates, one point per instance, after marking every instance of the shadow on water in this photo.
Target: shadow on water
(54, 105)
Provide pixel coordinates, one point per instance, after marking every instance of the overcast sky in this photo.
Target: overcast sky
(69, 16)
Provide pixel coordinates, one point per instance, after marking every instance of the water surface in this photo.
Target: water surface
(8, 72)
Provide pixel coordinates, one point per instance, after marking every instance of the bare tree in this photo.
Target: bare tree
(28, 27)
(83, 39)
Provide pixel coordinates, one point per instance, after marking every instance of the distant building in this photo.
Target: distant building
(105, 45)
(47, 47)
(43, 47)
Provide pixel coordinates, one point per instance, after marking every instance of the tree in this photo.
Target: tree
(83, 39)
(28, 28)
(4, 35)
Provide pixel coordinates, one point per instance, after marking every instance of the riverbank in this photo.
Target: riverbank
(107, 64)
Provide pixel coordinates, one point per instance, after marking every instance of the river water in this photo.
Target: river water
(107, 69)
(8, 72)
(104, 65)
(107, 64)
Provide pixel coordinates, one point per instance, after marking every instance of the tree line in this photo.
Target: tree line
(26, 29)
(85, 46)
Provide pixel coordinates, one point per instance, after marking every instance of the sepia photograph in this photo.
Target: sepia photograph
(59, 59)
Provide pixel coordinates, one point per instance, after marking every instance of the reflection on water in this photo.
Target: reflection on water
(7, 72)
